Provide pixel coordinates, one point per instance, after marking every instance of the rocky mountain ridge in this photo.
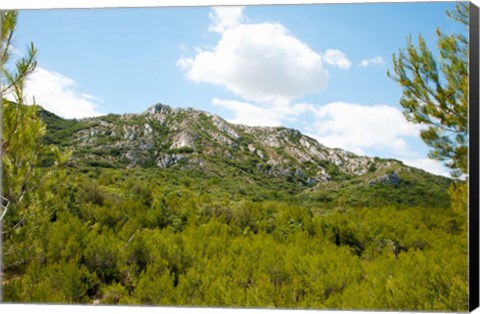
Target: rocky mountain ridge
(165, 137)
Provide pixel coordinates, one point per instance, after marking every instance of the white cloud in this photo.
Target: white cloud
(349, 126)
(357, 128)
(430, 165)
(400, 147)
(259, 62)
(269, 68)
(337, 58)
(248, 114)
(225, 17)
(91, 97)
(372, 61)
(56, 93)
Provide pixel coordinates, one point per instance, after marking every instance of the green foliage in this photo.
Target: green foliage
(145, 236)
(181, 150)
(111, 118)
(435, 92)
(54, 283)
(410, 191)
(60, 131)
(22, 132)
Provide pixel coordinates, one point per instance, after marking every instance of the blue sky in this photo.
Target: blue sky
(320, 69)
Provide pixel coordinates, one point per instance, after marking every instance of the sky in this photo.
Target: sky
(321, 69)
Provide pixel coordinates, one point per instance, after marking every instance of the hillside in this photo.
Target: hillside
(164, 137)
(193, 140)
(178, 207)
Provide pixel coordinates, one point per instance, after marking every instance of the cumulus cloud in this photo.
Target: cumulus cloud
(372, 61)
(260, 62)
(430, 165)
(349, 126)
(223, 18)
(337, 58)
(270, 68)
(56, 93)
(355, 127)
(248, 114)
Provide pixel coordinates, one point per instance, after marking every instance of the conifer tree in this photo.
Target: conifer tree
(435, 92)
(22, 129)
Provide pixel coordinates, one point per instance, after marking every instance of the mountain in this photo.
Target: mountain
(177, 207)
(191, 140)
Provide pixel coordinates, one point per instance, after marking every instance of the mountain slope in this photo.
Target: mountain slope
(178, 207)
(193, 140)
(165, 137)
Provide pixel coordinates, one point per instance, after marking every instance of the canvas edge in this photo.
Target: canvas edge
(474, 158)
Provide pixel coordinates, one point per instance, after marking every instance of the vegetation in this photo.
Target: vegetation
(60, 130)
(22, 131)
(170, 237)
(435, 92)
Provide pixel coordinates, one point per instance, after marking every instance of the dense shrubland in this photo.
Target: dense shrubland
(166, 237)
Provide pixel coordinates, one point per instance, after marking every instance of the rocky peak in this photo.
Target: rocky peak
(159, 108)
(167, 137)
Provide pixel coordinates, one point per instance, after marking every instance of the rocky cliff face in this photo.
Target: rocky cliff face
(166, 137)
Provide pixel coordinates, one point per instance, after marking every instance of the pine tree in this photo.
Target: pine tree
(22, 129)
(435, 92)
